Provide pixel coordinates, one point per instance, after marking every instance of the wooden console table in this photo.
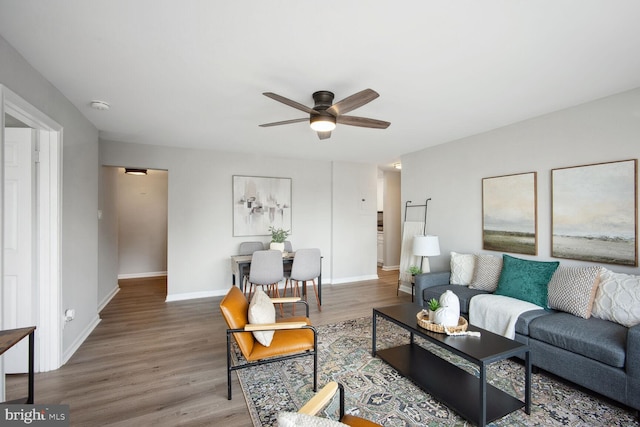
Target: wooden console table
(11, 337)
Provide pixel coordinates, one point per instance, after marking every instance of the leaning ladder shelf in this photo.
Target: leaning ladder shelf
(408, 205)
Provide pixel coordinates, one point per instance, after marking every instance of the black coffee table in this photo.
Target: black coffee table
(466, 394)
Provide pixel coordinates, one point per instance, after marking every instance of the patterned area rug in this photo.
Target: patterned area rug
(377, 392)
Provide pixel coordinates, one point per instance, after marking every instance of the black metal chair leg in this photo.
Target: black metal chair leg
(228, 366)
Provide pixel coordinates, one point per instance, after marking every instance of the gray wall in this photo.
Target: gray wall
(79, 228)
(451, 174)
(327, 212)
(107, 235)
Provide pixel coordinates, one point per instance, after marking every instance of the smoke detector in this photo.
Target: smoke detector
(100, 105)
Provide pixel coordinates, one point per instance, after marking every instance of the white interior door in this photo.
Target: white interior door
(19, 266)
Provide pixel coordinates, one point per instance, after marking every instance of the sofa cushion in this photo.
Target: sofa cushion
(462, 267)
(572, 289)
(486, 273)
(525, 319)
(526, 280)
(594, 338)
(463, 293)
(618, 298)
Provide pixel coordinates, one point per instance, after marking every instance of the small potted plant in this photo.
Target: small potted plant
(433, 305)
(278, 236)
(413, 270)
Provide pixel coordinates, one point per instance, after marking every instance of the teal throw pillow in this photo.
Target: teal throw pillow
(526, 280)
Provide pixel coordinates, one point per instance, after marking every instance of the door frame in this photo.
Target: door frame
(48, 292)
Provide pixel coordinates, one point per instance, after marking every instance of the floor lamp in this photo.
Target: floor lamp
(426, 246)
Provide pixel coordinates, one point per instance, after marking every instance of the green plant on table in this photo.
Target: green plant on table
(414, 269)
(278, 235)
(433, 304)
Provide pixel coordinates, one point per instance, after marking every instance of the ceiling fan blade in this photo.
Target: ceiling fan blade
(324, 135)
(362, 122)
(289, 102)
(284, 122)
(352, 102)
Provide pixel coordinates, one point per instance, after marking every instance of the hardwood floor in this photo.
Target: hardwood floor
(164, 364)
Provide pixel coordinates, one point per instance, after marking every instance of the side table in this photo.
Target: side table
(11, 337)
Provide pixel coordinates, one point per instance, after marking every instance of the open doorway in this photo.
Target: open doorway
(142, 223)
(33, 297)
(133, 228)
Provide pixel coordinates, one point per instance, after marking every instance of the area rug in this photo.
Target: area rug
(375, 391)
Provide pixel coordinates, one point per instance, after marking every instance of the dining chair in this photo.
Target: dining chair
(306, 268)
(266, 271)
(248, 248)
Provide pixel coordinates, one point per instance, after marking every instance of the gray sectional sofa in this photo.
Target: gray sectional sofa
(600, 355)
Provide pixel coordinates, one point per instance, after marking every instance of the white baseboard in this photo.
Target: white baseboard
(390, 267)
(142, 275)
(108, 298)
(406, 289)
(353, 279)
(195, 295)
(81, 338)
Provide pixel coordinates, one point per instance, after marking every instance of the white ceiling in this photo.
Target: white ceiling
(190, 73)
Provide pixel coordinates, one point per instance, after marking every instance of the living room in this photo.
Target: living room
(335, 200)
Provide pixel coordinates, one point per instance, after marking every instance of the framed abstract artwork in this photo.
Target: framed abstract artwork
(509, 213)
(594, 212)
(259, 203)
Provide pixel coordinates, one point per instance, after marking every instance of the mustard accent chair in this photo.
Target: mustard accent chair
(320, 400)
(293, 336)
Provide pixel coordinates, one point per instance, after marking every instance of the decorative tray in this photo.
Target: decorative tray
(424, 322)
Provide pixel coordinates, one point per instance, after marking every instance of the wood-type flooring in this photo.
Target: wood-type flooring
(149, 362)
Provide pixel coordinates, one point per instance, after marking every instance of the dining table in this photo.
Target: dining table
(240, 265)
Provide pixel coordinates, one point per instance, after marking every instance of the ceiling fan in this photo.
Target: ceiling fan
(324, 115)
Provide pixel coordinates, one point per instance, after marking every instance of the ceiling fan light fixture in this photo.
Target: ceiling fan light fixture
(322, 122)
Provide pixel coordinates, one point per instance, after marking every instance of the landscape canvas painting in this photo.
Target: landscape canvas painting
(509, 214)
(259, 203)
(594, 212)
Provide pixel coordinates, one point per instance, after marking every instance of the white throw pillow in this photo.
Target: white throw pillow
(462, 266)
(618, 298)
(486, 273)
(262, 310)
(294, 419)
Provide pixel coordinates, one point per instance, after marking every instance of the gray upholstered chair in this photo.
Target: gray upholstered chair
(288, 247)
(266, 271)
(248, 248)
(306, 268)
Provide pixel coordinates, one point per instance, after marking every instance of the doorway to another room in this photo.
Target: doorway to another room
(138, 201)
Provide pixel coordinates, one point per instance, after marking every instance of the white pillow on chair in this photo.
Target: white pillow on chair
(262, 310)
(295, 419)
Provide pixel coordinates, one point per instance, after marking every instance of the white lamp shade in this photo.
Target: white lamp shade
(426, 246)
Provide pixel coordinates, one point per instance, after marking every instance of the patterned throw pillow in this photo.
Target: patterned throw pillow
(486, 273)
(462, 266)
(618, 298)
(526, 280)
(261, 310)
(572, 289)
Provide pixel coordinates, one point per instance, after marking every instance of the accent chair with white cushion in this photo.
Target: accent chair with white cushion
(291, 337)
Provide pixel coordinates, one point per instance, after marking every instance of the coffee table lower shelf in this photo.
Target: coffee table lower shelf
(449, 384)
